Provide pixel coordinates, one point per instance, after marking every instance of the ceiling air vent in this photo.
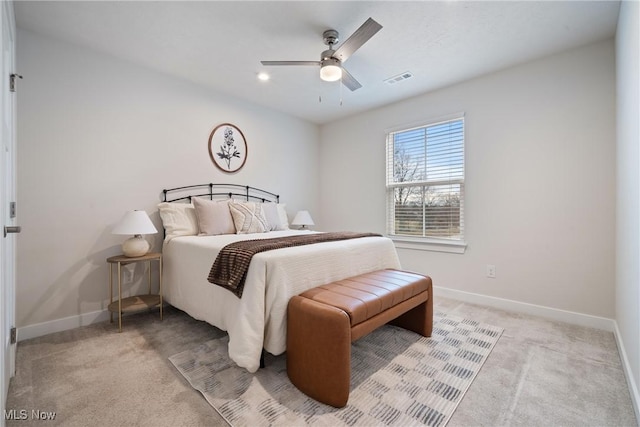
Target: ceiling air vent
(400, 77)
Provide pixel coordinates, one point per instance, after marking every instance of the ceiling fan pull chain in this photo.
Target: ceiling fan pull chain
(340, 91)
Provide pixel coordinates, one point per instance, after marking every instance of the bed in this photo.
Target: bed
(257, 320)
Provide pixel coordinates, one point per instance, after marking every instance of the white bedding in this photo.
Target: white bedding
(258, 319)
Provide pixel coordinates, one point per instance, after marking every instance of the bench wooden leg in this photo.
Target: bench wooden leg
(319, 350)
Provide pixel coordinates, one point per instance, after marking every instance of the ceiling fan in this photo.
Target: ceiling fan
(331, 60)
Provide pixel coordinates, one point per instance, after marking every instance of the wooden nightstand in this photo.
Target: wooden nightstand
(138, 302)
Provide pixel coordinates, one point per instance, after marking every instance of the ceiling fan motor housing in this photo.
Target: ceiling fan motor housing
(327, 54)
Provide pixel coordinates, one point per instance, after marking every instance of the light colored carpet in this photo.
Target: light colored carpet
(398, 378)
(540, 373)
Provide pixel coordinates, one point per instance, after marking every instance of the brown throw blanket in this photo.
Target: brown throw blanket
(232, 263)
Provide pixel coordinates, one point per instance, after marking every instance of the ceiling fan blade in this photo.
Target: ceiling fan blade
(290, 62)
(357, 39)
(349, 81)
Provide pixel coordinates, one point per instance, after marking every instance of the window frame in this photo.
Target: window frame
(428, 243)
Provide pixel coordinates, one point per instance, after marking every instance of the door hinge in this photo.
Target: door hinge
(14, 336)
(12, 81)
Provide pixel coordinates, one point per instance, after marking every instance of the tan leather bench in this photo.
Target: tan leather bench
(323, 322)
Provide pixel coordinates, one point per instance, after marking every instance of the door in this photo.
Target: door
(7, 199)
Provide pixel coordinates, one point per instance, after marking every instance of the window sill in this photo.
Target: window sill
(425, 244)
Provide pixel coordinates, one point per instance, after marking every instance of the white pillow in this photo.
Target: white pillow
(273, 215)
(178, 219)
(248, 217)
(214, 217)
(282, 212)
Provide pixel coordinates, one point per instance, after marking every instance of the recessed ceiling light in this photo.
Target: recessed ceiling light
(263, 77)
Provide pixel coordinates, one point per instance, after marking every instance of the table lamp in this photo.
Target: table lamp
(136, 223)
(303, 219)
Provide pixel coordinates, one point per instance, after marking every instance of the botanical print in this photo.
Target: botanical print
(228, 150)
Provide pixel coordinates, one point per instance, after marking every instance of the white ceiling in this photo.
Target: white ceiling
(220, 44)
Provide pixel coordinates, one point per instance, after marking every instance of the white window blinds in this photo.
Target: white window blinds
(425, 181)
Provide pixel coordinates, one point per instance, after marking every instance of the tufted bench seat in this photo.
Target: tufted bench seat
(323, 322)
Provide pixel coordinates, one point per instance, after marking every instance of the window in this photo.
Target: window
(425, 182)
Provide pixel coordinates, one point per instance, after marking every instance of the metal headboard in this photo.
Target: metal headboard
(184, 194)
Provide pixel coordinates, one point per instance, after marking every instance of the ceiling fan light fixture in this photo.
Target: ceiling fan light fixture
(330, 71)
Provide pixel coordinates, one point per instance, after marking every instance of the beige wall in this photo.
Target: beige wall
(540, 180)
(97, 137)
(628, 192)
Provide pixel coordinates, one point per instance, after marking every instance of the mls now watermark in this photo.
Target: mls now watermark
(23, 414)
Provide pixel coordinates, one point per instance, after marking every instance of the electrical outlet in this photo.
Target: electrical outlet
(491, 271)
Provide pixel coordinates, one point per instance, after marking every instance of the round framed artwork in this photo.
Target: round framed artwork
(228, 148)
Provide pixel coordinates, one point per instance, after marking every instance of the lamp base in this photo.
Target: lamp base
(135, 246)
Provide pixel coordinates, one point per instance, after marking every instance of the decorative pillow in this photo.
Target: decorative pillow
(178, 219)
(272, 213)
(213, 217)
(282, 212)
(248, 217)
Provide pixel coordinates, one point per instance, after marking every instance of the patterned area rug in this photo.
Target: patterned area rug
(398, 378)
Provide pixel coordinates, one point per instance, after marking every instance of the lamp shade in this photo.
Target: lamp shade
(302, 218)
(135, 222)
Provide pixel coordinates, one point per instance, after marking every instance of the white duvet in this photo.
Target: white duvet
(258, 319)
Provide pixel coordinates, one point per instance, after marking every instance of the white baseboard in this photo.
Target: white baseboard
(633, 386)
(526, 308)
(58, 325)
(44, 328)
